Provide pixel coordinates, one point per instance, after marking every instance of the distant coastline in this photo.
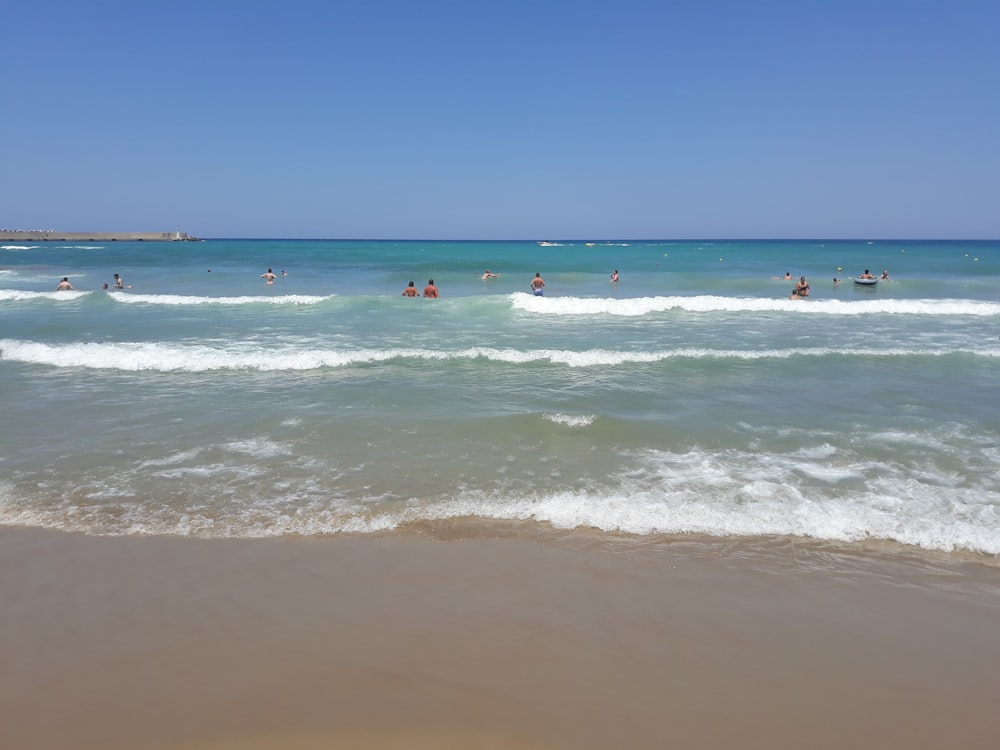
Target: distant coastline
(51, 235)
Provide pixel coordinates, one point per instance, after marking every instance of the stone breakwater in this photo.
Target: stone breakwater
(47, 235)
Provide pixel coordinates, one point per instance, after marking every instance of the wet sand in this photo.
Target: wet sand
(489, 642)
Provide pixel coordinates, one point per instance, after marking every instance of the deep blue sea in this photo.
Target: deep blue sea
(691, 397)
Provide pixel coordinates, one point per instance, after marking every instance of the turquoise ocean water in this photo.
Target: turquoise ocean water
(690, 397)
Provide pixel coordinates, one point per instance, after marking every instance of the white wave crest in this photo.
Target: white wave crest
(138, 356)
(16, 295)
(708, 303)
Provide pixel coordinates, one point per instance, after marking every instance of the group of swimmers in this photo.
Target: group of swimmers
(65, 286)
(869, 275)
(430, 290)
(801, 290)
(537, 286)
(270, 276)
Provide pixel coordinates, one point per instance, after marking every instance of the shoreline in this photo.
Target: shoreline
(448, 639)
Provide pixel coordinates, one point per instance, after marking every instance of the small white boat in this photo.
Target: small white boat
(865, 282)
(546, 243)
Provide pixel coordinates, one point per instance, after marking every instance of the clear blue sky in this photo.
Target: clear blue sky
(502, 119)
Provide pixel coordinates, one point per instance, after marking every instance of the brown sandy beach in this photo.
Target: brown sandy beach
(418, 641)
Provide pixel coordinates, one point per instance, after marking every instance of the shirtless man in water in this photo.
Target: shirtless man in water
(430, 290)
(64, 285)
(410, 291)
(269, 277)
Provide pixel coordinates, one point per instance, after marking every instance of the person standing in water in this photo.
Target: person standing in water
(538, 285)
(614, 275)
(430, 290)
(269, 277)
(64, 285)
(410, 291)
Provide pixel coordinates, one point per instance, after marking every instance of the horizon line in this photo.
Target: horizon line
(612, 239)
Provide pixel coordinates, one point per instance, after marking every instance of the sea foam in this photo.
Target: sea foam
(571, 420)
(177, 299)
(814, 490)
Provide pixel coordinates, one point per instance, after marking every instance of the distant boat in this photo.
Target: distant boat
(865, 282)
(546, 243)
